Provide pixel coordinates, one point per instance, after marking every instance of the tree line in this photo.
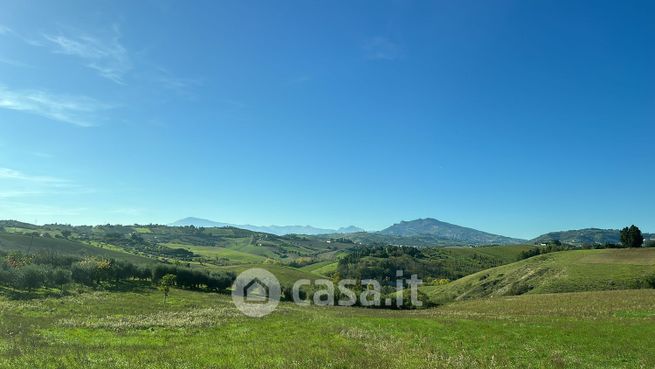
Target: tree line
(631, 237)
(45, 269)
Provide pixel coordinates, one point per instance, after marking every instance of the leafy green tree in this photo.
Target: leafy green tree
(161, 270)
(83, 272)
(165, 284)
(66, 233)
(8, 277)
(631, 237)
(31, 277)
(144, 273)
(61, 277)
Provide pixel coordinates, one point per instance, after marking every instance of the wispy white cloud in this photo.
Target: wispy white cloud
(7, 173)
(77, 110)
(164, 78)
(26, 195)
(8, 194)
(43, 155)
(4, 29)
(17, 184)
(106, 56)
(382, 48)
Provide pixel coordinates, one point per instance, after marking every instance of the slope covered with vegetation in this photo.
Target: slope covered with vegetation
(588, 236)
(64, 247)
(382, 262)
(565, 271)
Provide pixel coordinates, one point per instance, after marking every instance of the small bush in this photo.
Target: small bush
(519, 289)
(650, 281)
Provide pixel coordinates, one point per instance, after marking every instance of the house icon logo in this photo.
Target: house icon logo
(256, 292)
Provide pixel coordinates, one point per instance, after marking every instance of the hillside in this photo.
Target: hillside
(431, 232)
(567, 271)
(27, 244)
(585, 236)
(430, 263)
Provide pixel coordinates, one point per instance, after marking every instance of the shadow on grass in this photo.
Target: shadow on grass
(127, 286)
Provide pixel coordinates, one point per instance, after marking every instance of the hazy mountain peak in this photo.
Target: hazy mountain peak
(197, 222)
(274, 229)
(445, 231)
(350, 229)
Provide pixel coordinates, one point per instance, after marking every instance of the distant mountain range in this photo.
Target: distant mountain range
(419, 232)
(424, 232)
(585, 236)
(274, 229)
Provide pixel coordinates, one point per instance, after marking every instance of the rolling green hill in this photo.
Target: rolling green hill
(500, 254)
(567, 271)
(28, 244)
(217, 245)
(286, 275)
(588, 236)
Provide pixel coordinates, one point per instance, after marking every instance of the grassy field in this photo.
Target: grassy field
(286, 275)
(504, 254)
(220, 253)
(566, 271)
(322, 268)
(610, 329)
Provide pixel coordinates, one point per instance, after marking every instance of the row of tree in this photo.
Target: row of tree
(32, 271)
(194, 279)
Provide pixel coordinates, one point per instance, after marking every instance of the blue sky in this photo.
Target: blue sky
(514, 117)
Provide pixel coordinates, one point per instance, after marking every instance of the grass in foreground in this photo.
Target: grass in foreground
(611, 329)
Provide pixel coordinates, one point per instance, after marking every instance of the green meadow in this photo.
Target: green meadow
(608, 329)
